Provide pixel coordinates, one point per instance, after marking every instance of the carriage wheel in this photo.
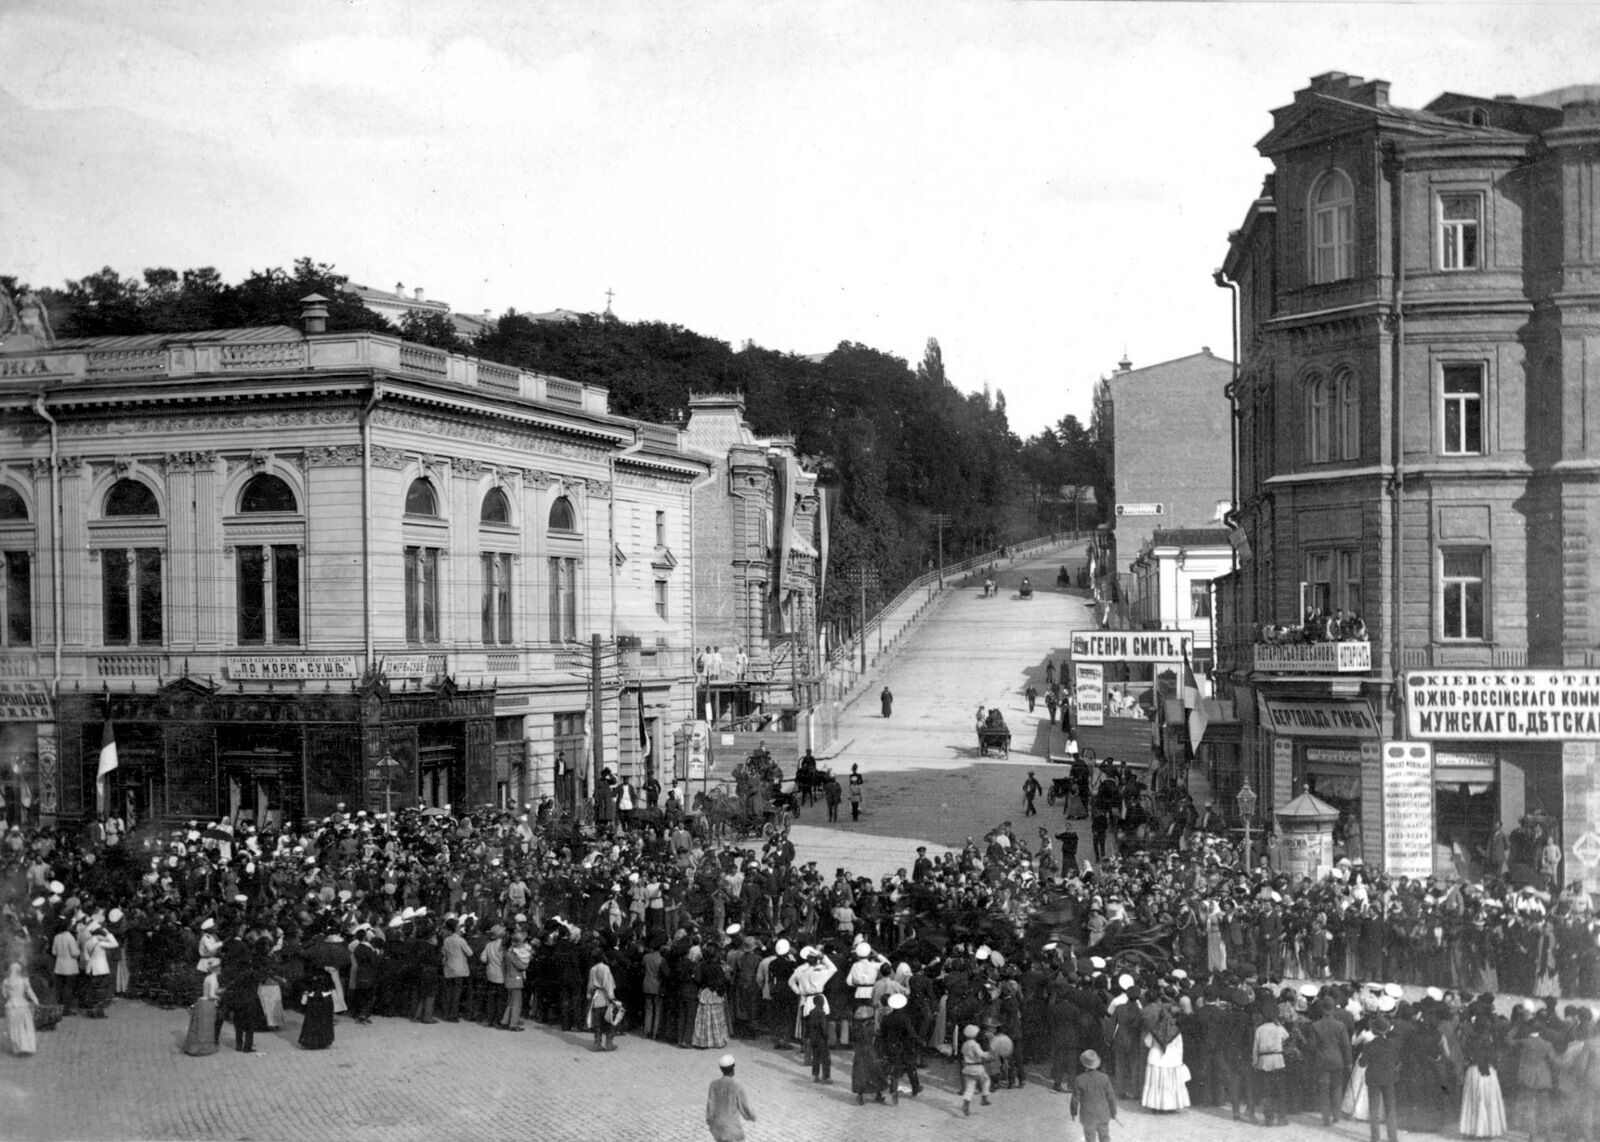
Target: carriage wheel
(1050, 797)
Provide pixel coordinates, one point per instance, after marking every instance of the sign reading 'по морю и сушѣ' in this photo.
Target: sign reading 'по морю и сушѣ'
(1488, 705)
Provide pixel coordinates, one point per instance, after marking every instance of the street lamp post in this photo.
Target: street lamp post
(1247, 809)
(387, 764)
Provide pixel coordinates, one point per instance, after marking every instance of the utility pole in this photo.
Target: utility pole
(596, 697)
(943, 520)
(863, 578)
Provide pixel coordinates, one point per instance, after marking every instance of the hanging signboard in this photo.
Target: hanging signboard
(1501, 705)
(1090, 688)
(292, 667)
(1408, 809)
(1141, 509)
(1334, 719)
(699, 750)
(1132, 645)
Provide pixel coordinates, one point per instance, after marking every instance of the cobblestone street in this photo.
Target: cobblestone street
(126, 1078)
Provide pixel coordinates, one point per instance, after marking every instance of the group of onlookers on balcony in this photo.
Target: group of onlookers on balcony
(1319, 625)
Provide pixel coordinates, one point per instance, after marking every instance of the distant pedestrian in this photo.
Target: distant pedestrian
(856, 782)
(1050, 703)
(727, 1108)
(832, 794)
(1032, 695)
(1050, 673)
(316, 1033)
(1031, 789)
(886, 700)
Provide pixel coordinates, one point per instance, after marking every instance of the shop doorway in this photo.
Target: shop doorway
(252, 787)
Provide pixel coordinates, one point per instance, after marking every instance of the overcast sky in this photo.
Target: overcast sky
(1040, 186)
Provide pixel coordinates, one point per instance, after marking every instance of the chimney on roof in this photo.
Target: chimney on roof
(419, 293)
(399, 289)
(1205, 350)
(1373, 93)
(1124, 365)
(1505, 98)
(314, 313)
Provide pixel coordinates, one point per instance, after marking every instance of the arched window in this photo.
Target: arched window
(1332, 228)
(421, 499)
(130, 497)
(267, 494)
(1317, 426)
(1346, 414)
(496, 508)
(562, 517)
(12, 505)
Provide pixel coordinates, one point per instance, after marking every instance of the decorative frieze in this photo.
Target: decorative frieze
(534, 478)
(599, 489)
(496, 435)
(334, 456)
(146, 426)
(465, 467)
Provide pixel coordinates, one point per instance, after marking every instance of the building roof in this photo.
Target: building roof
(251, 334)
(1177, 369)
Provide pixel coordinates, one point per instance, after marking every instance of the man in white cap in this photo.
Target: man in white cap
(727, 1108)
(809, 979)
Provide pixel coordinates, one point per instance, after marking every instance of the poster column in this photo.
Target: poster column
(1371, 847)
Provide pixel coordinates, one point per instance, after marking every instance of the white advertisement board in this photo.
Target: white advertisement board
(1090, 687)
(1503, 705)
(1408, 809)
(1132, 645)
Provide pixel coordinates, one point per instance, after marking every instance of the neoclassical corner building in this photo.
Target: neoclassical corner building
(1418, 302)
(295, 568)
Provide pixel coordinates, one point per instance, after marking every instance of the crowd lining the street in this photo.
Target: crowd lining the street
(991, 960)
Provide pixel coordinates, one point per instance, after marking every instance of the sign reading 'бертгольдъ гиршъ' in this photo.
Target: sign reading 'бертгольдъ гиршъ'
(1132, 645)
(1544, 705)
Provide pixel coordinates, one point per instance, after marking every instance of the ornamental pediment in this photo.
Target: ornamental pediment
(663, 559)
(1306, 125)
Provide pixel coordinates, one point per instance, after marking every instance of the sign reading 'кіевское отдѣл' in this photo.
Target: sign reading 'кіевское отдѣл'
(1503, 705)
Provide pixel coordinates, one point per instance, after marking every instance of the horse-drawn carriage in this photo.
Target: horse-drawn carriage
(1025, 589)
(758, 804)
(994, 734)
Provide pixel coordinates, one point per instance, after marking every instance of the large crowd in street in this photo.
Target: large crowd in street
(1001, 963)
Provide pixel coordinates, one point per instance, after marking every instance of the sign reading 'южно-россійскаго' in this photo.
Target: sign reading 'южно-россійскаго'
(1505, 705)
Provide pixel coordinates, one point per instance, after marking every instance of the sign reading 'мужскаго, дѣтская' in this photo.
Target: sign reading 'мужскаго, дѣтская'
(1132, 645)
(1548, 705)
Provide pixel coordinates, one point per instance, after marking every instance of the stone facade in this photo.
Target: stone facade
(1419, 313)
(274, 558)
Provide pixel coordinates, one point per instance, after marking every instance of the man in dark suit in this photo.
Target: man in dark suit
(1328, 1053)
(1382, 1057)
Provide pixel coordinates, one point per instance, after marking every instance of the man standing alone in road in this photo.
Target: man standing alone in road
(727, 1108)
(856, 782)
(886, 700)
(1031, 789)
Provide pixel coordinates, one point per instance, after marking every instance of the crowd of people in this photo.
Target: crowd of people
(999, 961)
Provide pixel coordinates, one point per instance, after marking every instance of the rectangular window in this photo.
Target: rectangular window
(1460, 219)
(563, 599)
(1463, 410)
(496, 569)
(1319, 581)
(131, 598)
(1349, 581)
(1200, 598)
(269, 594)
(1331, 255)
(1462, 580)
(17, 600)
(422, 594)
(661, 529)
(252, 595)
(286, 594)
(661, 598)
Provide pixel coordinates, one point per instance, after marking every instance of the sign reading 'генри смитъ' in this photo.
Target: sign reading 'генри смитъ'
(1507, 705)
(1132, 645)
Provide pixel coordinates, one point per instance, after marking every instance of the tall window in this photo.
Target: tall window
(269, 594)
(1462, 583)
(1332, 228)
(1348, 575)
(131, 596)
(1317, 424)
(1460, 218)
(1345, 414)
(661, 598)
(130, 577)
(661, 529)
(1333, 580)
(16, 598)
(1463, 410)
(422, 594)
(563, 599)
(16, 582)
(1200, 598)
(496, 567)
(268, 575)
(1319, 581)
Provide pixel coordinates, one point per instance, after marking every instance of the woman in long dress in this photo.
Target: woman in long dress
(202, 1036)
(711, 1016)
(316, 1033)
(1166, 1079)
(1483, 1107)
(20, 1002)
(1355, 1091)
